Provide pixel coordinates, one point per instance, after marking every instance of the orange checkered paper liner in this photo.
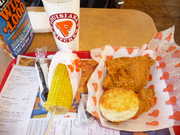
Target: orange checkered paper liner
(165, 78)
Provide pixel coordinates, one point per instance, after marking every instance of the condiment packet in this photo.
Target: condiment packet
(165, 79)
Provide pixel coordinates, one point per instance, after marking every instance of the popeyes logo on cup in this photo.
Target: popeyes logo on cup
(65, 26)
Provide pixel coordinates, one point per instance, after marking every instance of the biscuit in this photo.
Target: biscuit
(118, 104)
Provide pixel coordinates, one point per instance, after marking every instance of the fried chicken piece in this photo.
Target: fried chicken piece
(140, 71)
(116, 81)
(87, 67)
(130, 73)
(147, 100)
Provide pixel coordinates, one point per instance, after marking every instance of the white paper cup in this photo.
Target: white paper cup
(64, 21)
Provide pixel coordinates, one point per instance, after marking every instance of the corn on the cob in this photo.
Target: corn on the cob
(60, 96)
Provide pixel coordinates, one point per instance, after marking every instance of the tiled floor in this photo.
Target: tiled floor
(165, 13)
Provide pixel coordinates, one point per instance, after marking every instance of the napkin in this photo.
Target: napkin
(39, 22)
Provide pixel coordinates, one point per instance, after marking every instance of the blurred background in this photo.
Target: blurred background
(165, 13)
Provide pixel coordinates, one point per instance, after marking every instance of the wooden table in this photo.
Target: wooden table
(99, 27)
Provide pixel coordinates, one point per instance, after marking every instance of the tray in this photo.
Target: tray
(82, 55)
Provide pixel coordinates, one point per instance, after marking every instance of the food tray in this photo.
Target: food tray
(81, 54)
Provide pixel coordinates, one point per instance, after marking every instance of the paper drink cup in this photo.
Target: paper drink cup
(64, 20)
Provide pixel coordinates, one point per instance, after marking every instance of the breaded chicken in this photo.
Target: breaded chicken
(147, 100)
(87, 67)
(129, 73)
